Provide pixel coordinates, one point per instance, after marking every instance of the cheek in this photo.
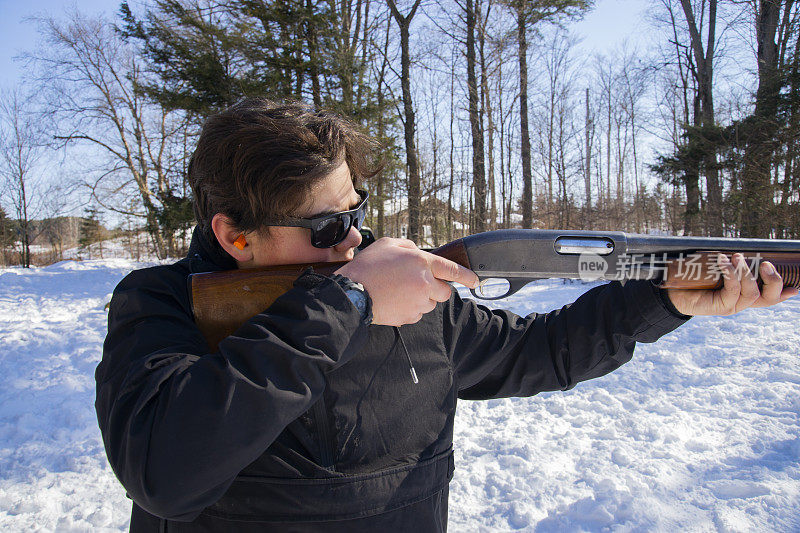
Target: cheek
(286, 246)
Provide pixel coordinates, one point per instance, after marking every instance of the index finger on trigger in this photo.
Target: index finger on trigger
(447, 270)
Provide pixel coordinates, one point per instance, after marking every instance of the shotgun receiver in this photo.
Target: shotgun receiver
(222, 301)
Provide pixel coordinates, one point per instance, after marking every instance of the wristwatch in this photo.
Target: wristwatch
(358, 296)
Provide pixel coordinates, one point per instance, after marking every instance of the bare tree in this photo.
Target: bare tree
(381, 127)
(488, 68)
(90, 78)
(525, 152)
(607, 81)
(633, 86)
(20, 150)
(555, 125)
(528, 14)
(588, 137)
(475, 121)
(404, 23)
(690, 99)
(451, 159)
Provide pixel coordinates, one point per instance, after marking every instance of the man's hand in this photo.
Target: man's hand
(403, 281)
(739, 292)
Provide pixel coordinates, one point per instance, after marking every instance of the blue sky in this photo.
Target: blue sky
(611, 22)
(17, 36)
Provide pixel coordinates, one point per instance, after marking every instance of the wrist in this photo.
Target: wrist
(357, 295)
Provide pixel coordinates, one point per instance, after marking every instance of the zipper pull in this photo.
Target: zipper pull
(410, 364)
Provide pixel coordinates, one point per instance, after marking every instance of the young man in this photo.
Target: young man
(307, 419)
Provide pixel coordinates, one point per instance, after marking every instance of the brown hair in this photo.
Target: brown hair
(257, 161)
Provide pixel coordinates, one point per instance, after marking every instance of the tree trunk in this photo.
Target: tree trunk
(345, 55)
(24, 223)
(478, 168)
(587, 176)
(608, 149)
(409, 123)
(525, 139)
(691, 179)
(692, 212)
(704, 75)
(550, 161)
(452, 165)
(381, 179)
(313, 55)
(486, 97)
(790, 182)
(362, 66)
(757, 200)
(503, 191)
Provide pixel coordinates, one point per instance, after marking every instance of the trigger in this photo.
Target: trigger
(474, 291)
(480, 292)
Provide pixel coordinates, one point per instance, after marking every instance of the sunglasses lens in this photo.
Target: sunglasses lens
(331, 231)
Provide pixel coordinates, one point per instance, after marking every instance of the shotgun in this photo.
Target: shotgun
(506, 260)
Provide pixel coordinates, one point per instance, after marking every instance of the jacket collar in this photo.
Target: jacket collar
(206, 256)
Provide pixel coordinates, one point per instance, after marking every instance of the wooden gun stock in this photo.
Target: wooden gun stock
(223, 301)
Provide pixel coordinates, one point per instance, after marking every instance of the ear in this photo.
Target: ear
(227, 234)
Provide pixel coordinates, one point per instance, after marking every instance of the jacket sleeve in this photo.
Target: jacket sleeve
(179, 423)
(497, 354)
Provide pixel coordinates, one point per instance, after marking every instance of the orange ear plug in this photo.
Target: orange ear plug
(240, 242)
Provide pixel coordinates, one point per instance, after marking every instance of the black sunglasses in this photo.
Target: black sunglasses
(329, 230)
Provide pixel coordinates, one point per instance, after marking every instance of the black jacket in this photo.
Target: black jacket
(305, 419)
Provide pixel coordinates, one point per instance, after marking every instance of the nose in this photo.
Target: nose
(350, 242)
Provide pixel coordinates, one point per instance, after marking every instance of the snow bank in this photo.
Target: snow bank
(53, 472)
(698, 433)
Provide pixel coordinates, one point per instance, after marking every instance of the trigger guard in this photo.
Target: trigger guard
(479, 297)
(514, 285)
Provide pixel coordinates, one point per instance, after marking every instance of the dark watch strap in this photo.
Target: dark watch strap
(358, 295)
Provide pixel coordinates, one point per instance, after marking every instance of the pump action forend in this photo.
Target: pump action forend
(520, 256)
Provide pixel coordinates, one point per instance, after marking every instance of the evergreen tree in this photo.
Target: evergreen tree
(91, 230)
(193, 56)
(6, 238)
(176, 215)
(203, 58)
(6, 234)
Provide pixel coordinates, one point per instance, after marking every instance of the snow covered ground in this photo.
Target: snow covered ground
(700, 432)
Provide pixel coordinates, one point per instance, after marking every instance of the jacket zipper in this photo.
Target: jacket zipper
(326, 448)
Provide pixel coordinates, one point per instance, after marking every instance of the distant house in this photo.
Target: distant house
(434, 223)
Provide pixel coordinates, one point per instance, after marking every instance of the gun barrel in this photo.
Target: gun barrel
(645, 244)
